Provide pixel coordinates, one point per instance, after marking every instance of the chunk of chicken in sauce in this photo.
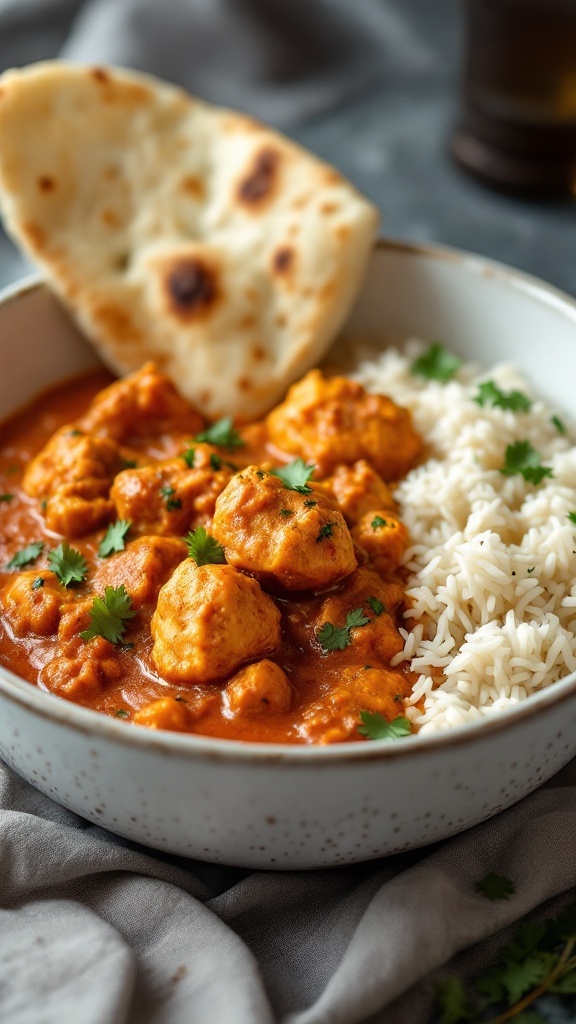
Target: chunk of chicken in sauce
(333, 420)
(168, 498)
(33, 602)
(72, 476)
(379, 638)
(142, 568)
(334, 718)
(384, 537)
(209, 621)
(257, 689)
(358, 489)
(292, 540)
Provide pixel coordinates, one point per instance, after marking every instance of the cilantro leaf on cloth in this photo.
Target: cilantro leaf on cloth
(522, 458)
(69, 564)
(295, 475)
(114, 538)
(436, 363)
(109, 615)
(376, 727)
(495, 887)
(203, 548)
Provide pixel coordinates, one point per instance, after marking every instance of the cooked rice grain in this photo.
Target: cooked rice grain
(492, 561)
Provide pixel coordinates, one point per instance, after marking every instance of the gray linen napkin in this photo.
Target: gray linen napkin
(95, 930)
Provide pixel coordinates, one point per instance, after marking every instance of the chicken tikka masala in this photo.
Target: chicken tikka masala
(234, 581)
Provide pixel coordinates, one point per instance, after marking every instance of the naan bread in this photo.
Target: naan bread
(180, 232)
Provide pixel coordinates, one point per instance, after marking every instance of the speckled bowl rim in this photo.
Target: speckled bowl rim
(95, 725)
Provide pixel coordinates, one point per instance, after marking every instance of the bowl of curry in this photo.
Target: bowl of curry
(199, 634)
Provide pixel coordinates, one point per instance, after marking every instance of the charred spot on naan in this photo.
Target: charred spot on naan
(260, 183)
(191, 287)
(283, 261)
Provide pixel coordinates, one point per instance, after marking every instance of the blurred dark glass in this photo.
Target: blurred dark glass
(517, 129)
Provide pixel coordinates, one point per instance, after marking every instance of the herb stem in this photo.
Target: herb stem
(561, 968)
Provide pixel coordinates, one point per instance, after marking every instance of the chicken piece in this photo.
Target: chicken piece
(73, 474)
(297, 541)
(336, 717)
(79, 508)
(258, 688)
(379, 639)
(33, 607)
(74, 619)
(166, 713)
(168, 498)
(83, 671)
(358, 489)
(71, 457)
(145, 404)
(143, 567)
(334, 420)
(384, 537)
(209, 621)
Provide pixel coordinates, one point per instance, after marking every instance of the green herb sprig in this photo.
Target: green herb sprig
(222, 434)
(26, 555)
(295, 475)
(69, 564)
(490, 394)
(109, 615)
(522, 458)
(204, 549)
(334, 638)
(436, 363)
(115, 538)
(376, 727)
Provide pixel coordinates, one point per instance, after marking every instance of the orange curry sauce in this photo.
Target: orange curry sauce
(327, 689)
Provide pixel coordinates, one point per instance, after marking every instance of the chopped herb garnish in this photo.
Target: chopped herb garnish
(181, 700)
(189, 455)
(75, 433)
(559, 424)
(334, 638)
(223, 434)
(490, 394)
(26, 555)
(540, 958)
(38, 582)
(437, 363)
(128, 647)
(129, 464)
(43, 504)
(260, 473)
(531, 569)
(522, 458)
(204, 549)
(295, 475)
(286, 512)
(115, 538)
(572, 517)
(495, 887)
(122, 713)
(378, 522)
(7, 497)
(325, 531)
(109, 615)
(376, 605)
(376, 727)
(167, 492)
(215, 463)
(310, 503)
(68, 564)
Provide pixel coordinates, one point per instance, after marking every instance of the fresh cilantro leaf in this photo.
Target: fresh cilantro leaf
(376, 605)
(295, 475)
(522, 458)
(519, 978)
(222, 434)
(531, 569)
(215, 462)
(310, 504)
(114, 538)
(7, 497)
(69, 564)
(376, 727)
(38, 583)
(286, 512)
(189, 455)
(108, 615)
(490, 394)
(572, 517)
(167, 492)
(495, 887)
(204, 549)
(334, 638)
(559, 424)
(129, 464)
(452, 1001)
(325, 531)
(378, 522)
(566, 985)
(356, 618)
(122, 713)
(437, 363)
(26, 555)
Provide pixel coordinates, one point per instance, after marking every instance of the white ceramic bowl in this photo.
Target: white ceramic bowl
(302, 807)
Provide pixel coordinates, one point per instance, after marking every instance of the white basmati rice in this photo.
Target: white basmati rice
(492, 562)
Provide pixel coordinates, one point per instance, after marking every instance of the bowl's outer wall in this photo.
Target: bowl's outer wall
(312, 812)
